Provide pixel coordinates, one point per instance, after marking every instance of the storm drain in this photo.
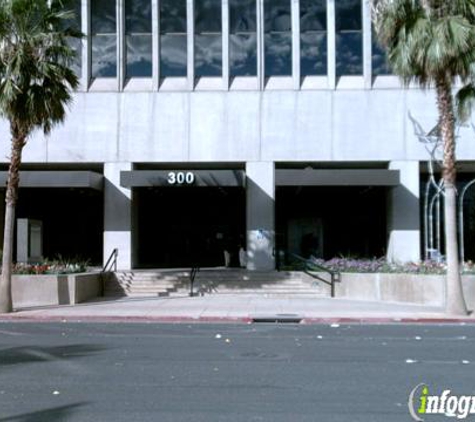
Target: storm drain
(277, 319)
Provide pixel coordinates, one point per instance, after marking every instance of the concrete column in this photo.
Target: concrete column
(260, 219)
(331, 44)
(404, 225)
(367, 36)
(117, 215)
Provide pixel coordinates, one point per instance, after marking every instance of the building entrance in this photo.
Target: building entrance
(188, 225)
(329, 222)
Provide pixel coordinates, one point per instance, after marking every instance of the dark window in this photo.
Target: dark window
(243, 38)
(138, 31)
(278, 38)
(349, 37)
(173, 38)
(208, 38)
(75, 25)
(313, 38)
(379, 59)
(104, 39)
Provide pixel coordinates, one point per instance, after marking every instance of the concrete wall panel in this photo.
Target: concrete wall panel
(90, 132)
(350, 125)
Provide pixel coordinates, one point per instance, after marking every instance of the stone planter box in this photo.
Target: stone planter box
(55, 289)
(410, 288)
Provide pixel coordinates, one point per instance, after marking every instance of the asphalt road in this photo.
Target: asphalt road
(149, 372)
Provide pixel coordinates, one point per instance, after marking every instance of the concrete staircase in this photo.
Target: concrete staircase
(170, 283)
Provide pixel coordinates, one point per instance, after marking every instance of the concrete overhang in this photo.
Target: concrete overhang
(202, 178)
(57, 179)
(337, 177)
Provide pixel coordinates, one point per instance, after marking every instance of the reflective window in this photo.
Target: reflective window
(173, 39)
(104, 39)
(208, 38)
(278, 38)
(138, 33)
(379, 59)
(242, 38)
(349, 37)
(75, 25)
(313, 37)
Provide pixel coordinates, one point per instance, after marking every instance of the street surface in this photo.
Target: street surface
(203, 373)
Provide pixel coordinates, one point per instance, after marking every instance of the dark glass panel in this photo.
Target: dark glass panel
(173, 53)
(277, 16)
(139, 56)
(76, 62)
(172, 16)
(348, 15)
(243, 55)
(242, 16)
(313, 15)
(138, 16)
(207, 16)
(103, 17)
(278, 54)
(349, 54)
(313, 54)
(208, 57)
(74, 24)
(104, 56)
(379, 58)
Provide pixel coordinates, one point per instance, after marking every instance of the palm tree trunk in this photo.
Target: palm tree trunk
(18, 142)
(455, 303)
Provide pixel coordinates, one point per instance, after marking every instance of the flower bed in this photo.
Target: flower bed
(51, 267)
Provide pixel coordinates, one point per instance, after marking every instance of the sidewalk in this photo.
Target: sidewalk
(236, 308)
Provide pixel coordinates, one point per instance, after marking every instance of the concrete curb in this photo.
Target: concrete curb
(231, 320)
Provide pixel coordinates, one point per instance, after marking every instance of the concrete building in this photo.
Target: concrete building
(205, 125)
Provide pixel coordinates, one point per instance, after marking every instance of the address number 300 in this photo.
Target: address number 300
(180, 178)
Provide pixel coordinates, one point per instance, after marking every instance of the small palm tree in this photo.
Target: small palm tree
(432, 43)
(35, 88)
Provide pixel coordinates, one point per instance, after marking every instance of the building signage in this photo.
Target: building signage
(181, 178)
(177, 178)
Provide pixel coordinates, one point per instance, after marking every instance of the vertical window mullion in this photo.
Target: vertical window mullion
(155, 45)
(331, 44)
(260, 28)
(86, 43)
(295, 17)
(367, 55)
(190, 19)
(225, 42)
(121, 44)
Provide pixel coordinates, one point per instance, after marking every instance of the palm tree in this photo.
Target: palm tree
(35, 88)
(432, 43)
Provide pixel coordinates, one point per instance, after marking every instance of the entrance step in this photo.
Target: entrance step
(163, 283)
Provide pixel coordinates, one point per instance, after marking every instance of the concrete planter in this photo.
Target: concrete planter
(55, 289)
(410, 288)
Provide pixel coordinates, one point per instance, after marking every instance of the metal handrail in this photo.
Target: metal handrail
(335, 276)
(112, 261)
(193, 272)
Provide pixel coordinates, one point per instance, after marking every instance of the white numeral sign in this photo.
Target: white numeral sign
(180, 178)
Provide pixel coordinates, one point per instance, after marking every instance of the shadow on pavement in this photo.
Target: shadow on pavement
(62, 413)
(30, 354)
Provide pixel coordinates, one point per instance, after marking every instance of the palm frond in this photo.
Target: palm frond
(36, 81)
